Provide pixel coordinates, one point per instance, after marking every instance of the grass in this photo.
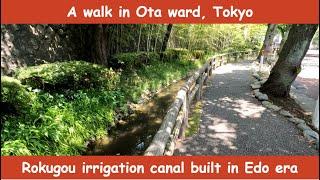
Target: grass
(53, 109)
(152, 77)
(194, 120)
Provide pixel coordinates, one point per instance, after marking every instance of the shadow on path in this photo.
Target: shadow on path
(233, 122)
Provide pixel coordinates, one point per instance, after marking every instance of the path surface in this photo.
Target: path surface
(305, 89)
(233, 122)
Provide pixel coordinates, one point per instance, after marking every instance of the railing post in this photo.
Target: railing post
(237, 57)
(261, 63)
(199, 93)
(217, 61)
(210, 68)
(205, 74)
(185, 111)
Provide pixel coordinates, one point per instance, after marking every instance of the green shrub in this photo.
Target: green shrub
(16, 147)
(177, 55)
(157, 75)
(60, 126)
(72, 75)
(14, 97)
(198, 54)
(58, 122)
(134, 60)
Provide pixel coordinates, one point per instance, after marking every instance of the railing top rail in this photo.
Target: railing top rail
(236, 52)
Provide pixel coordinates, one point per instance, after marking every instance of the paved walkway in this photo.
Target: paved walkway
(233, 122)
(305, 89)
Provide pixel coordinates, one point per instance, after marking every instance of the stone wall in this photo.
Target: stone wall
(25, 45)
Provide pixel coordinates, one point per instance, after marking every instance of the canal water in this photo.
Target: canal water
(133, 135)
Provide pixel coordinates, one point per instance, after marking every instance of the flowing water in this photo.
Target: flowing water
(132, 136)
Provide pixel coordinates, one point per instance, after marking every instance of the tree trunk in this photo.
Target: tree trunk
(288, 65)
(99, 45)
(268, 40)
(156, 40)
(149, 37)
(284, 38)
(165, 40)
(139, 39)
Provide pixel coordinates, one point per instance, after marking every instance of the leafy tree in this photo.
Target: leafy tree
(288, 65)
(165, 40)
(217, 37)
(268, 40)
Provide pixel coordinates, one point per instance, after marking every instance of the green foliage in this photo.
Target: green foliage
(194, 120)
(177, 54)
(283, 28)
(14, 96)
(198, 54)
(53, 109)
(16, 147)
(149, 79)
(218, 37)
(56, 125)
(134, 60)
(135, 37)
(72, 75)
(60, 122)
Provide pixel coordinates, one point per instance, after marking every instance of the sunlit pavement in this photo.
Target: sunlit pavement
(233, 122)
(305, 89)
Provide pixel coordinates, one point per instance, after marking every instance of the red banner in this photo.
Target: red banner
(175, 167)
(159, 11)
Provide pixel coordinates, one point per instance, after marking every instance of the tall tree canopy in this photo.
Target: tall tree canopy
(104, 41)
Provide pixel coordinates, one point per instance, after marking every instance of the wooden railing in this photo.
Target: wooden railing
(176, 120)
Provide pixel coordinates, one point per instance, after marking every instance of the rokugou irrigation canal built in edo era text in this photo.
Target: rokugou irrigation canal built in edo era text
(107, 170)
